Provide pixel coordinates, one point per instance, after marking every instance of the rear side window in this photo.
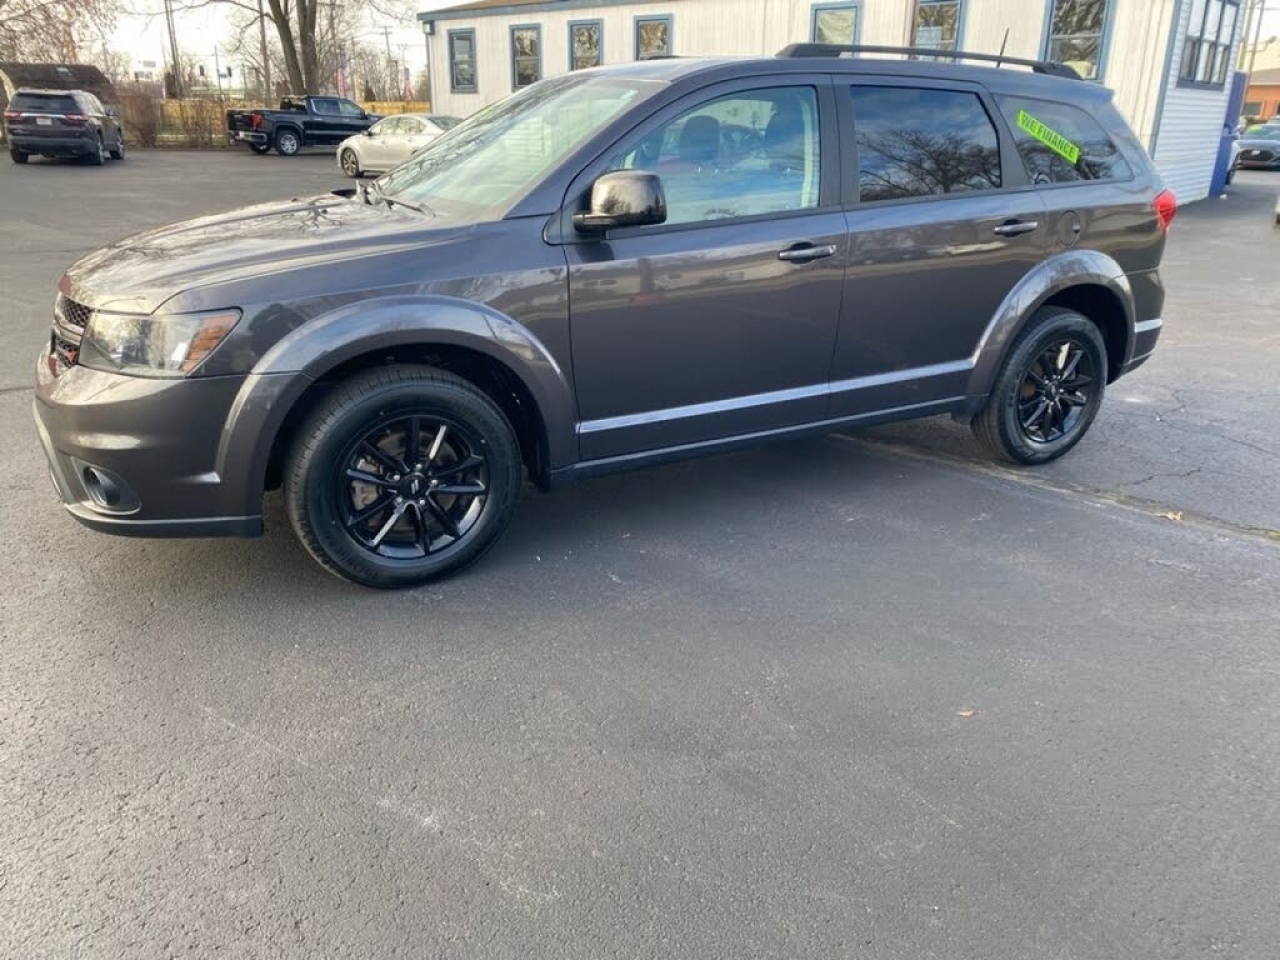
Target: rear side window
(44, 103)
(914, 142)
(1060, 143)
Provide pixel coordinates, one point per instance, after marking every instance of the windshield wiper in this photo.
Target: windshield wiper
(393, 202)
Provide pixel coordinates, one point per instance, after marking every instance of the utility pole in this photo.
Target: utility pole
(217, 72)
(404, 74)
(266, 58)
(391, 63)
(173, 51)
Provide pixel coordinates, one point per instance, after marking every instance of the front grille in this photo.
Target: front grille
(65, 351)
(71, 313)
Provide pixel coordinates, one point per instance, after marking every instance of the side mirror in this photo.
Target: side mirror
(623, 198)
(367, 131)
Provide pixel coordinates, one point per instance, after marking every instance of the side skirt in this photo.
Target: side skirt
(652, 458)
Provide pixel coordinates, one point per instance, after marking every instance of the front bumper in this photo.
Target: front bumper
(54, 146)
(156, 439)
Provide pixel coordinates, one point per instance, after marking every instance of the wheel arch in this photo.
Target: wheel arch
(502, 358)
(1087, 281)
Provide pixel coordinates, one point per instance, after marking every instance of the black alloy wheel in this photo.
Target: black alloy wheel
(1048, 391)
(411, 486)
(1056, 391)
(402, 474)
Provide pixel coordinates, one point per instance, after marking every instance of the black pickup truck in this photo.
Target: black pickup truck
(300, 122)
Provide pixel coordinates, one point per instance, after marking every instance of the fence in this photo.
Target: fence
(150, 122)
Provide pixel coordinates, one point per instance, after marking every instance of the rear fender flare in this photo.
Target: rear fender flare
(1071, 268)
(305, 355)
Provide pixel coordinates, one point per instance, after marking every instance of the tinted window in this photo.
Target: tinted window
(917, 143)
(349, 109)
(1061, 144)
(742, 155)
(44, 103)
(325, 105)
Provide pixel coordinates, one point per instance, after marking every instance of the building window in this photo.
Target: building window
(1206, 54)
(526, 55)
(462, 61)
(586, 44)
(653, 37)
(1077, 34)
(834, 23)
(937, 25)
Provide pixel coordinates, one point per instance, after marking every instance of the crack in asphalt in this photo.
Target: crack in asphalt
(1154, 508)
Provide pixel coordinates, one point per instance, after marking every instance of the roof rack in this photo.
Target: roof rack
(1047, 67)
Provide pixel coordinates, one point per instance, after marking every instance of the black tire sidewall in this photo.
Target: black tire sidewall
(339, 422)
(1055, 324)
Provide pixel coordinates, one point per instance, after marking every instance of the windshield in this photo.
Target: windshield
(484, 164)
(1262, 133)
(445, 123)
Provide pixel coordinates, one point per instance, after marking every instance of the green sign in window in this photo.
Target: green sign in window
(1049, 137)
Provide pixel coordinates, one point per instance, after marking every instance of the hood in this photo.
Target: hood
(140, 273)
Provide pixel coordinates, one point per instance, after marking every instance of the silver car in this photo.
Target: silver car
(390, 142)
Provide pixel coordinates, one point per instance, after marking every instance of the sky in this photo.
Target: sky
(200, 32)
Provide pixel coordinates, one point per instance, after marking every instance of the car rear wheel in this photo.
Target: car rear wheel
(287, 143)
(350, 163)
(17, 156)
(117, 152)
(260, 147)
(1049, 390)
(401, 475)
(99, 156)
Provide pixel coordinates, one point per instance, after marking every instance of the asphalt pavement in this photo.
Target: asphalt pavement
(863, 696)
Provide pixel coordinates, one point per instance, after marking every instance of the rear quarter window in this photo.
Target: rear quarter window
(1059, 143)
(44, 103)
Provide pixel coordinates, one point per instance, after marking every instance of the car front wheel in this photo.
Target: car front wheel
(1049, 390)
(17, 156)
(401, 475)
(117, 152)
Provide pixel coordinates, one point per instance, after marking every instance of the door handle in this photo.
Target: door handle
(803, 253)
(1016, 228)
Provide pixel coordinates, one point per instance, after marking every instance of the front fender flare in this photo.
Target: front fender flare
(309, 352)
(1071, 268)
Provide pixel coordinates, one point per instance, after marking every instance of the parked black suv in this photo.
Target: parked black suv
(616, 267)
(62, 123)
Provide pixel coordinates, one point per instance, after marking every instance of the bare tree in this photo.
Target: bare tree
(50, 30)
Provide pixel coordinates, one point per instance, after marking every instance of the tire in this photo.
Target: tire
(17, 156)
(1014, 425)
(117, 152)
(288, 142)
(350, 163)
(98, 157)
(260, 148)
(376, 533)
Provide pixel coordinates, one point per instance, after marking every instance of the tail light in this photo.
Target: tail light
(12, 114)
(1166, 207)
(255, 120)
(75, 118)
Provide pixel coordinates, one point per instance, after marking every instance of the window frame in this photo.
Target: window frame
(962, 7)
(599, 25)
(637, 20)
(511, 53)
(1013, 175)
(854, 5)
(1203, 42)
(1104, 39)
(474, 86)
(830, 170)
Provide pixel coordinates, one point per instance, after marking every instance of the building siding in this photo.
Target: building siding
(1133, 65)
(1186, 148)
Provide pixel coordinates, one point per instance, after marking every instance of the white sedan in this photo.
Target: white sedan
(390, 142)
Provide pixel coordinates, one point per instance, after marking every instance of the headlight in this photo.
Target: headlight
(153, 346)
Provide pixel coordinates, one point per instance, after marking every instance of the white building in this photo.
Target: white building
(1169, 61)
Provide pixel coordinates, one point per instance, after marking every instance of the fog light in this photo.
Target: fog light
(107, 490)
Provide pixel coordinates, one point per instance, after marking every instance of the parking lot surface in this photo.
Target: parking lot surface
(860, 696)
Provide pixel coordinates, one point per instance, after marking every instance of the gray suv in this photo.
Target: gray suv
(622, 266)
